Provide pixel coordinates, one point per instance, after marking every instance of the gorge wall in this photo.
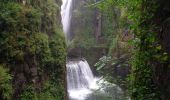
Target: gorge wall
(33, 49)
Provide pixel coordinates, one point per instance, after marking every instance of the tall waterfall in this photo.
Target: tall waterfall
(66, 10)
(81, 83)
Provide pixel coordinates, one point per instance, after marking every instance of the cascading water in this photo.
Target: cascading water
(79, 75)
(80, 79)
(66, 10)
(81, 83)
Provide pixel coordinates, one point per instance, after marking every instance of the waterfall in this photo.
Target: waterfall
(79, 75)
(79, 79)
(81, 84)
(66, 10)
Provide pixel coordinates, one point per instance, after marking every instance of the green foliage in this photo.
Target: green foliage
(56, 66)
(17, 24)
(102, 62)
(146, 47)
(33, 31)
(42, 50)
(28, 94)
(82, 40)
(5, 83)
(48, 92)
(57, 47)
(82, 26)
(137, 15)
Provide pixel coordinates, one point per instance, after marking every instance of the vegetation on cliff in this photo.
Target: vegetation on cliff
(33, 49)
(131, 38)
(148, 22)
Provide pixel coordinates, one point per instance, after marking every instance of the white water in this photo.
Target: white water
(66, 10)
(81, 83)
(79, 75)
(80, 79)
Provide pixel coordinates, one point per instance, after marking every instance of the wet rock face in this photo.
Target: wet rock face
(162, 71)
(165, 36)
(91, 54)
(74, 53)
(122, 71)
(24, 73)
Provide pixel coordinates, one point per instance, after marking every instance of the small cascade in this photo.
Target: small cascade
(79, 75)
(81, 83)
(79, 79)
